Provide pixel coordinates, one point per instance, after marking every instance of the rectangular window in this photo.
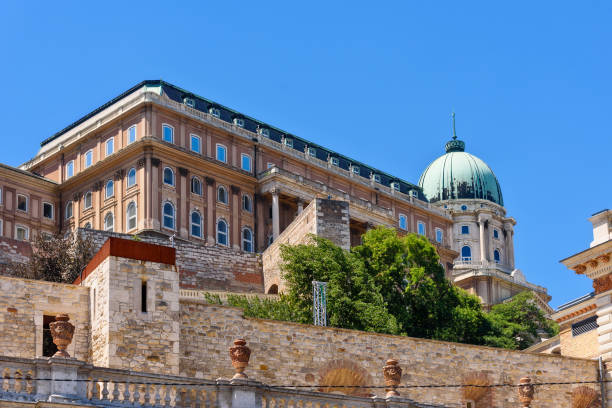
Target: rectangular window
(288, 142)
(376, 178)
(132, 134)
(21, 233)
(221, 153)
(239, 122)
(110, 146)
(70, 169)
(584, 326)
(439, 235)
(168, 133)
(22, 202)
(356, 170)
(264, 132)
(196, 144)
(48, 210)
(335, 161)
(403, 224)
(48, 347)
(245, 162)
(421, 228)
(88, 158)
(395, 186)
(465, 229)
(143, 297)
(312, 152)
(215, 112)
(495, 234)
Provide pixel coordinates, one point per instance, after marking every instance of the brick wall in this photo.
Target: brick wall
(289, 353)
(203, 266)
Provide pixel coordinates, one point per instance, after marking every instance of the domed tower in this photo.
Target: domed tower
(466, 187)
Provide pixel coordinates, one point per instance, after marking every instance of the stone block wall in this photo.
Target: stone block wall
(203, 266)
(24, 302)
(125, 334)
(333, 222)
(288, 353)
(11, 251)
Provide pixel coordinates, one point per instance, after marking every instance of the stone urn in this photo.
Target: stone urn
(62, 331)
(393, 375)
(525, 391)
(240, 354)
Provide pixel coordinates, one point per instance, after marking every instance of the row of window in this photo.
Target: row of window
(466, 254)
(195, 145)
(22, 233)
(421, 229)
(465, 230)
(23, 204)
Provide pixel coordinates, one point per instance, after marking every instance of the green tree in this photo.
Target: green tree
(518, 323)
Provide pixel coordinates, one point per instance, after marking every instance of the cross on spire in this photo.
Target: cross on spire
(454, 130)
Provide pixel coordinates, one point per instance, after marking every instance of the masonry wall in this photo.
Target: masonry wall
(13, 251)
(289, 353)
(584, 345)
(24, 302)
(203, 266)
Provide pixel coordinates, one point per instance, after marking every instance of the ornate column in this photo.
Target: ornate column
(509, 244)
(483, 249)
(210, 207)
(142, 202)
(146, 190)
(97, 195)
(235, 220)
(183, 204)
(275, 214)
(155, 224)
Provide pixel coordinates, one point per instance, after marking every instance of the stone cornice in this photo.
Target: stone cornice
(594, 262)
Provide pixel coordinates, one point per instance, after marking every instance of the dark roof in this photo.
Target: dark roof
(575, 302)
(227, 114)
(26, 173)
(599, 212)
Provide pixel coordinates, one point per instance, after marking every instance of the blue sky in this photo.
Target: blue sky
(530, 82)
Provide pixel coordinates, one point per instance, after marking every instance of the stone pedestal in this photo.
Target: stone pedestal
(61, 370)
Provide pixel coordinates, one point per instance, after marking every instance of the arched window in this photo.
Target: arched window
(196, 186)
(247, 203)
(109, 221)
(496, 256)
(131, 216)
(131, 177)
(109, 191)
(466, 253)
(168, 215)
(196, 224)
(69, 209)
(403, 224)
(87, 200)
(168, 176)
(247, 239)
(222, 195)
(222, 232)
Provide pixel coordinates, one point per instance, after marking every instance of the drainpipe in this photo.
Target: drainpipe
(602, 383)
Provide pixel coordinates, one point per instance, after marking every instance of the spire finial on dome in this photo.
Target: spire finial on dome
(454, 145)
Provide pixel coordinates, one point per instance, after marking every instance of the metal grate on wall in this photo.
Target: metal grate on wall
(584, 326)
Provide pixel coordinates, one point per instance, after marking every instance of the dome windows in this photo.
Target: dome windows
(464, 208)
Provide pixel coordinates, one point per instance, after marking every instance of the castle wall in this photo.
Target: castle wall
(288, 353)
(24, 303)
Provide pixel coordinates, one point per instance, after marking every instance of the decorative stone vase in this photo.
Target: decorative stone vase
(393, 375)
(525, 391)
(62, 331)
(240, 354)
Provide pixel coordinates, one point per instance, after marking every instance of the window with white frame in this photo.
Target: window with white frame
(465, 230)
(88, 158)
(168, 176)
(21, 233)
(221, 153)
(22, 202)
(167, 133)
(109, 222)
(335, 161)
(109, 190)
(169, 215)
(222, 195)
(68, 210)
(466, 253)
(196, 186)
(312, 152)
(222, 232)
(287, 141)
(247, 239)
(215, 112)
(110, 146)
(131, 177)
(196, 224)
(48, 211)
(131, 216)
(439, 236)
(245, 162)
(403, 222)
(356, 169)
(376, 178)
(195, 143)
(421, 228)
(87, 200)
(131, 134)
(247, 203)
(70, 169)
(239, 122)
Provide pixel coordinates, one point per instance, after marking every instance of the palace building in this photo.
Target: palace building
(162, 162)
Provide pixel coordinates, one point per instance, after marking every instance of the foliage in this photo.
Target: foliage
(274, 309)
(516, 324)
(56, 258)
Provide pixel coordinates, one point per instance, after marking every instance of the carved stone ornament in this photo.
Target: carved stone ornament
(140, 163)
(235, 189)
(209, 181)
(602, 284)
(579, 269)
(604, 258)
(240, 355)
(183, 171)
(525, 391)
(76, 196)
(393, 375)
(155, 161)
(62, 331)
(98, 185)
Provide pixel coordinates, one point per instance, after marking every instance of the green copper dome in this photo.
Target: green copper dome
(458, 174)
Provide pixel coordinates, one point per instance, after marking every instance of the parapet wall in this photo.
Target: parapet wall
(293, 354)
(202, 266)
